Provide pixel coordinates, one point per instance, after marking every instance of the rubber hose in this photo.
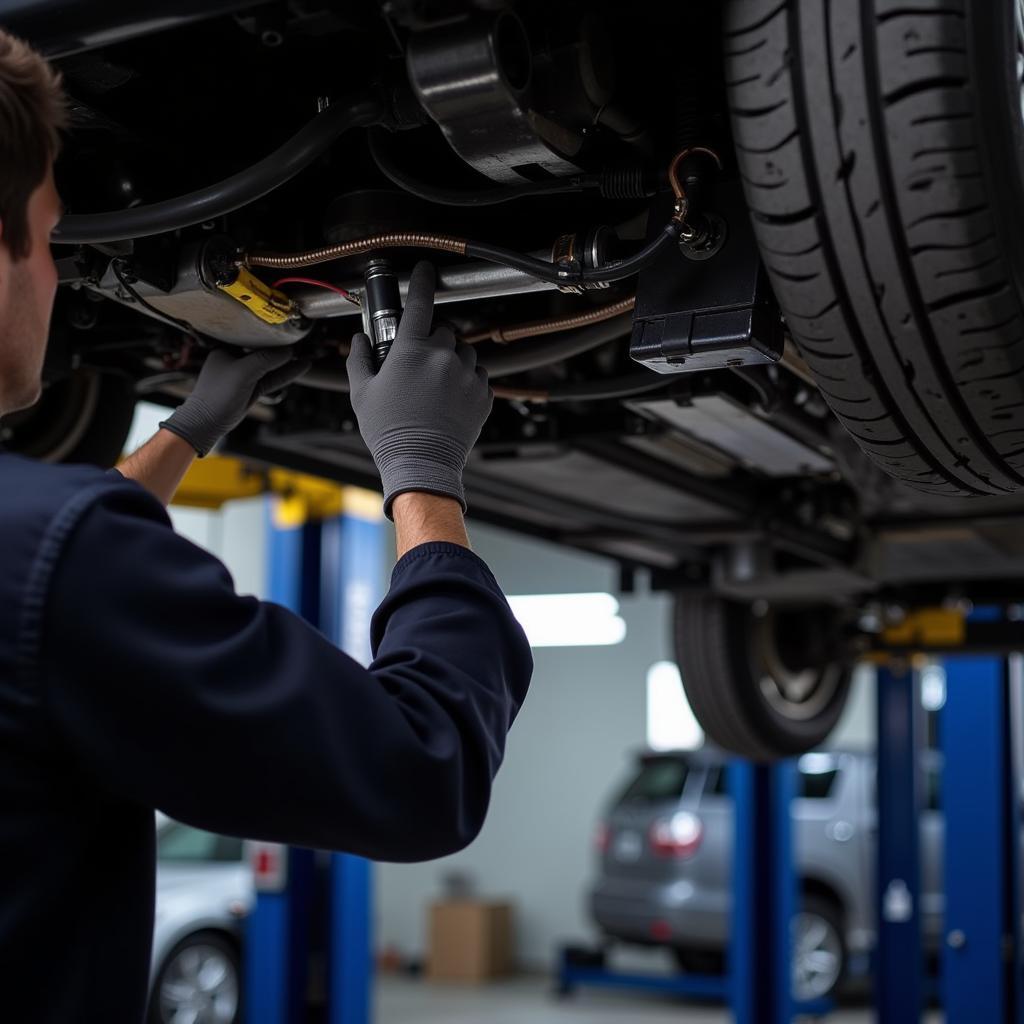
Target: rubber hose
(545, 271)
(232, 193)
(503, 360)
(665, 239)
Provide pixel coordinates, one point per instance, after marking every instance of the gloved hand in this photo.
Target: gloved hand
(422, 412)
(228, 385)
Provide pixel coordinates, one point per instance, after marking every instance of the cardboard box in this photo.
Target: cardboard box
(471, 941)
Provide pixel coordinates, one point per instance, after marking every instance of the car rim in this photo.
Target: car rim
(797, 693)
(199, 986)
(817, 957)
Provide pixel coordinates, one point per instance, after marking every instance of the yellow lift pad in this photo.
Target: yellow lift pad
(220, 478)
(928, 627)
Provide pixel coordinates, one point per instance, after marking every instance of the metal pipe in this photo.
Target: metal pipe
(462, 282)
(228, 195)
(58, 28)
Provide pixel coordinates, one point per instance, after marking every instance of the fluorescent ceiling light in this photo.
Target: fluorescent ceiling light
(569, 620)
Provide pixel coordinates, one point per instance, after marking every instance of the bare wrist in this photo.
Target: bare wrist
(421, 518)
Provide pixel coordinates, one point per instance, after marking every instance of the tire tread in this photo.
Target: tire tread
(879, 167)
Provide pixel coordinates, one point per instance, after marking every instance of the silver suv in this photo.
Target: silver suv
(666, 853)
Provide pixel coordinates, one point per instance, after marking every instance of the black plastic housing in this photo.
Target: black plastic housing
(705, 314)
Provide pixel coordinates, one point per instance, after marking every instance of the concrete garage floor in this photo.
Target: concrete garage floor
(529, 1001)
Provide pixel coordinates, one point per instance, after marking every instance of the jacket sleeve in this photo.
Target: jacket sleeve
(237, 716)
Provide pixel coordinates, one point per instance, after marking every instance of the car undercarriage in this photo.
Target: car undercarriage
(703, 366)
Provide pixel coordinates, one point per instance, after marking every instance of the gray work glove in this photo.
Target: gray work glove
(227, 386)
(422, 412)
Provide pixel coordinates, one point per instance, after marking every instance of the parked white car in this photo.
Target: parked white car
(204, 892)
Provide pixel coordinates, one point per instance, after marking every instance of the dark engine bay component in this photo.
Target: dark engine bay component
(475, 81)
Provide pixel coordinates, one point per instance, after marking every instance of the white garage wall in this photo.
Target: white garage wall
(236, 533)
(573, 740)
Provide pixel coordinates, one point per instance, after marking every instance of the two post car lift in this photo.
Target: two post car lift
(325, 559)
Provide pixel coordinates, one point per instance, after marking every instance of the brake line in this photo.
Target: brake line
(505, 335)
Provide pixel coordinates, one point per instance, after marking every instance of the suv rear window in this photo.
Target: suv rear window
(178, 842)
(658, 780)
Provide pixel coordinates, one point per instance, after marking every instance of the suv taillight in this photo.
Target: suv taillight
(678, 836)
(602, 837)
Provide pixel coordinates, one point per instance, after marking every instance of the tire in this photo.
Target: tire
(882, 152)
(763, 686)
(82, 418)
(217, 949)
(818, 919)
(698, 961)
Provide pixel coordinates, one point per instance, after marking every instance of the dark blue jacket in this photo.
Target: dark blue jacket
(132, 677)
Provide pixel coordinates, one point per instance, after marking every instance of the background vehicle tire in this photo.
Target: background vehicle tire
(201, 974)
(82, 418)
(698, 961)
(763, 686)
(882, 150)
(819, 958)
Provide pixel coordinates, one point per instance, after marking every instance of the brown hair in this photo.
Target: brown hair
(32, 112)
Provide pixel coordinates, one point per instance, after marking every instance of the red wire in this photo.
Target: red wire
(318, 283)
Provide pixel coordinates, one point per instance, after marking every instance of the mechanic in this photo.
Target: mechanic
(133, 677)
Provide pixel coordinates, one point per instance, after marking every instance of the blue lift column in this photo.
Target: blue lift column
(764, 893)
(352, 576)
(899, 967)
(277, 931)
(982, 933)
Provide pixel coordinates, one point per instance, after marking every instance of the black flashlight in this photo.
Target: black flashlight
(382, 307)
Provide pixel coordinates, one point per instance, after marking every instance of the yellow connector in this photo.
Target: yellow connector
(269, 304)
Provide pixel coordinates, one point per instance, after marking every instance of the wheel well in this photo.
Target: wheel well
(233, 939)
(824, 891)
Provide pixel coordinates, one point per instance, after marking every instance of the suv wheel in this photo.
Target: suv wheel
(199, 982)
(882, 151)
(763, 682)
(819, 954)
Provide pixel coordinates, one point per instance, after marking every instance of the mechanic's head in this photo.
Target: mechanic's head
(32, 112)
